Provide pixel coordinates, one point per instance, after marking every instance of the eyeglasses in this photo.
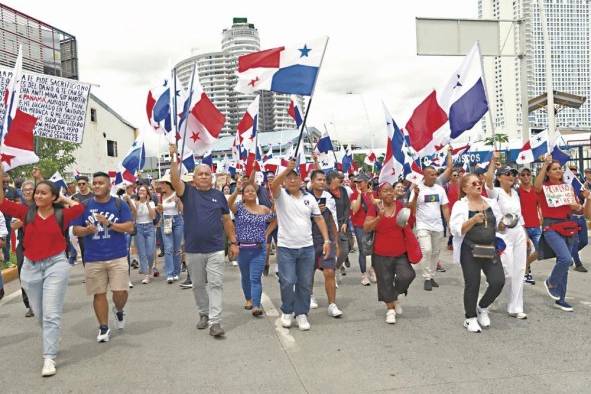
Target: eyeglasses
(81, 183)
(476, 183)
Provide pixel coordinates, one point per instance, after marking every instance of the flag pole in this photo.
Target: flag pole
(186, 110)
(173, 106)
(310, 101)
(333, 152)
(490, 117)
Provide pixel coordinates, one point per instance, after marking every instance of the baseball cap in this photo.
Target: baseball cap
(506, 170)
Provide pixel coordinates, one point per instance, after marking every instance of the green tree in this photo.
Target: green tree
(54, 155)
(497, 140)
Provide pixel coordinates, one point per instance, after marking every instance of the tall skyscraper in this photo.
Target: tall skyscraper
(570, 36)
(217, 75)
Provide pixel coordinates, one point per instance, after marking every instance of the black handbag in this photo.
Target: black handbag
(484, 251)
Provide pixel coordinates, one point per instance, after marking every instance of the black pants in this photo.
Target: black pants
(495, 277)
(20, 259)
(394, 275)
(81, 245)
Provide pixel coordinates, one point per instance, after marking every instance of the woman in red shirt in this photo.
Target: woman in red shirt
(393, 271)
(45, 270)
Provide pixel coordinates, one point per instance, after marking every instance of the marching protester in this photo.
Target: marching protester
(145, 237)
(343, 207)
(530, 211)
(83, 195)
(428, 202)
(172, 229)
(392, 248)
(514, 256)
(103, 226)
(46, 269)
(582, 238)
(295, 245)
(473, 224)
(361, 199)
(251, 220)
(206, 217)
(558, 229)
(27, 188)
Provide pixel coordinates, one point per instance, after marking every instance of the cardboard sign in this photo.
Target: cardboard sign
(559, 195)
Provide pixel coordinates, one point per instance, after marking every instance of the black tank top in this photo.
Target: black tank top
(481, 234)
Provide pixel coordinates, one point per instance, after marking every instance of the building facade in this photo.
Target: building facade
(569, 24)
(217, 75)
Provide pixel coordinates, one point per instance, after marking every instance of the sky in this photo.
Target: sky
(127, 47)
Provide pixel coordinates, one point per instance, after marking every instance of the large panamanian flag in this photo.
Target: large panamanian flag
(289, 70)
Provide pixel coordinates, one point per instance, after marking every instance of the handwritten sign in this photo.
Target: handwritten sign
(59, 104)
(559, 195)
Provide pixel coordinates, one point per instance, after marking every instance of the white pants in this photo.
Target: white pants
(513, 260)
(430, 244)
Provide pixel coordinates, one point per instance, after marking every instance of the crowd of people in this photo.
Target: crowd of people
(498, 219)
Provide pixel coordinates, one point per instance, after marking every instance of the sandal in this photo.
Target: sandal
(248, 305)
(256, 312)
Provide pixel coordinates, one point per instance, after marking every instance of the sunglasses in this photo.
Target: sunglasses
(81, 183)
(526, 174)
(476, 183)
(509, 173)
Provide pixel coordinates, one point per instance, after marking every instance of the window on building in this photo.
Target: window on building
(111, 148)
(93, 115)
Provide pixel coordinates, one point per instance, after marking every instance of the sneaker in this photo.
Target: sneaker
(529, 279)
(433, 283)
(472, 325)
(216, 330)
(551, 291)
(234, 263)
(186, 284)
(29, 313)
(365, 280)
(343, 270)
(428, 285)
(130, 285)
(565, 306)
(120, 324)
(580, 268)
(175, 278)
(334, 311)
(303, 323)
(519, 315)
(372, 275)
(203, 322)
(169, 279)
(347, 262)
(286, 320)
(146, 280)
(48, 368)
(440, 268)
(398, 308)
(103, 337)
(313, 302)
(257, 311)
(155, 272)
(391, 316)
(483, 318)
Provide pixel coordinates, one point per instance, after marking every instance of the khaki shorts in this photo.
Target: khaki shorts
(100, 274)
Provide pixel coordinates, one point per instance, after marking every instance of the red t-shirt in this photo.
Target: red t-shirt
(560, 212)
(389, 237)
(43, 237)
(529, 207)
(453, 194)
(358, 217)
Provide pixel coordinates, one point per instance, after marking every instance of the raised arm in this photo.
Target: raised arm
(490, 173)
(234, 196)
(539, 182)
(278, 181)
(175, 174)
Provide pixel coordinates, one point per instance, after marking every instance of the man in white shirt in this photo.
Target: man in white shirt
(428, 201)
(295, 246)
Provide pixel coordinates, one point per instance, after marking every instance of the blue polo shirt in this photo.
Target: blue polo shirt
(203, 223)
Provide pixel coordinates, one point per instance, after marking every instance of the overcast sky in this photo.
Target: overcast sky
(126, 47)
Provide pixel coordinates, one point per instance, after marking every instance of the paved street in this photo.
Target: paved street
(426, 351)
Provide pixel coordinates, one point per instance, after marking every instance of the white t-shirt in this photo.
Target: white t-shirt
(293, 219)
(507, 203)
(429, 203)
(169, 206)
(143, 214)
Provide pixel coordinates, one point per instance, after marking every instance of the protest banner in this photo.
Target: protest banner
(559, 195)
(59, 104)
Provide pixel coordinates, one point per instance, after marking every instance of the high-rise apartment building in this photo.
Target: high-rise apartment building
(217, 75)
(569, 25)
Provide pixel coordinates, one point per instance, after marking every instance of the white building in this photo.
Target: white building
(107, 139)
(569, 23)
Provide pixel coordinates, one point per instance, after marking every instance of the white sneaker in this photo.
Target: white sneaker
(519, 315)
(313, 302)
(48, 367)
(398, 308)
(391, 316)
(146, 280)
(169, 280)
(103, 337)
(286, 320)
(472, 325)
(483, 318)
(365, 280)
(334, 311)
(175, 278)
(130, 285)
(303, 323)
(234, 263)
(120, 324)
(372, 275)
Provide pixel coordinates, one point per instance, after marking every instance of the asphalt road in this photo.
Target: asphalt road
(426, 351)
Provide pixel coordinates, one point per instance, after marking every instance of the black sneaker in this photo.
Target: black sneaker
(433, 283)
(347, 262)
(202, 323)
(29, 313)
(216, 330)
(428, 285)
(187, 284)
(440, 269)
(580, 268)
(563, 305)
(529, 279)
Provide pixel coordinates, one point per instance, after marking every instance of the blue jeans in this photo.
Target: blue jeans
(562, 248)
(360, 235)
(296, 268)
(252, 262)
(72, 254)
(580, 240)
(534, 233)
(172, 245)
(145, 241)
(45, 282)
